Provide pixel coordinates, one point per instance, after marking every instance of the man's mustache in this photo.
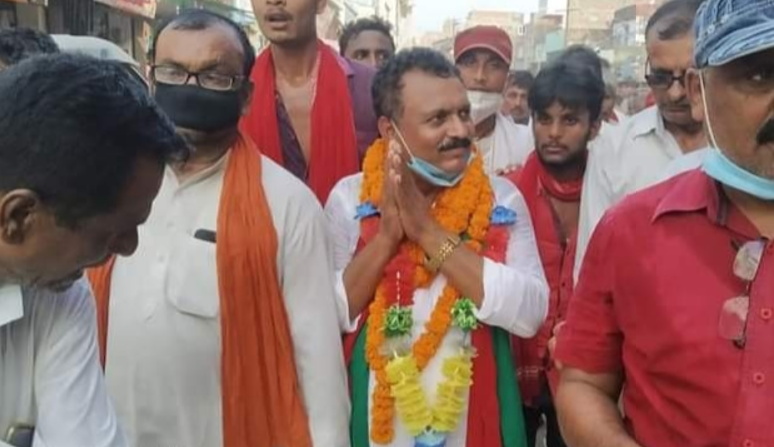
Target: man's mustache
(766, 134)
(682, 104)
(455, 143)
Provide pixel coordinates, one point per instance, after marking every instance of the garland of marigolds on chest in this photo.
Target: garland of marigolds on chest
(396, 362)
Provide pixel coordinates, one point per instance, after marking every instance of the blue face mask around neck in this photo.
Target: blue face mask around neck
(429, 172)
(725, 171)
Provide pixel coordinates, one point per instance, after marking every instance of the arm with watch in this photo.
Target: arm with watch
(512, 295)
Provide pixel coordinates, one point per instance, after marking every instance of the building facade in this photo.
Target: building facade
(127, 23)
(628, 31)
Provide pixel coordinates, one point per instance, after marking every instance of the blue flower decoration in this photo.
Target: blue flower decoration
(430, 439)
(365, 210)
(502, 216)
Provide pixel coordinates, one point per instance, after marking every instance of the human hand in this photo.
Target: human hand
(390, 225)
(413, 205)
(552, 345)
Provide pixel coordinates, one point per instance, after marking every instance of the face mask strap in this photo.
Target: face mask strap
(707, 119)
(402, 140)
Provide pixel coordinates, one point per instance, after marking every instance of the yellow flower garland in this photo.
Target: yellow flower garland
(410, 399)
(464, 208)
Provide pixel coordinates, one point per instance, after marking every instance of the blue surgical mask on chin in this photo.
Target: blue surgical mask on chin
(429, 172)
(721, 168)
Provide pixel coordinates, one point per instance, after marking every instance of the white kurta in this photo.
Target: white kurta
(163, 361)
(50, 375)
(515, 293)
(507, 147)
(635, 156)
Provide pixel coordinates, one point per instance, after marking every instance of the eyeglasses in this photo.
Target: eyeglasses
(733, 317)
(172, 75)
(663, 80)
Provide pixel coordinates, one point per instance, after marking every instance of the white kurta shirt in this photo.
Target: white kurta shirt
(635, 156)
(507, 147)
(164, 348)
(50, 375)
(515, 293)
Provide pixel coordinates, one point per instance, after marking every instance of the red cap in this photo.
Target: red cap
(489, 38)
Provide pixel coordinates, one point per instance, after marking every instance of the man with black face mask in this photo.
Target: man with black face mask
(207, 330)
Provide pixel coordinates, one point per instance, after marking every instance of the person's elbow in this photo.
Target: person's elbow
(539, 306)
(576, 385)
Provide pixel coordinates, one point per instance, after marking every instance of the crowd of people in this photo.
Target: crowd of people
(367, 247)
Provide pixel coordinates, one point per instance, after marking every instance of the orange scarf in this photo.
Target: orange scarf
(262, 401)
(334, 141)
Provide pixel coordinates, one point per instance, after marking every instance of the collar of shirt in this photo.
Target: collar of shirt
(694, 192)
(647, 121)
(209, 171)
(11, 305)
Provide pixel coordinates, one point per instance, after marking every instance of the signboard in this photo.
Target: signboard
(144, 8)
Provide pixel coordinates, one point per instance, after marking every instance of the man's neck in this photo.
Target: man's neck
(486, 128)
(689, 137)
(567, 172)
(295, 63)
(427, 190)
(7, 274)
(204, 155)
(760, 212)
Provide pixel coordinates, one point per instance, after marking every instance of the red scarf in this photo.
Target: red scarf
(334, 141)
(534, 175)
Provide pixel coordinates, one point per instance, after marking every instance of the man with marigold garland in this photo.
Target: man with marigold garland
(436, 264)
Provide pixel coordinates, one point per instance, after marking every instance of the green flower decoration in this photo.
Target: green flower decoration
(463, 315)
(398, 321)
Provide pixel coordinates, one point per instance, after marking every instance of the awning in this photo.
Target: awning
(144, 8)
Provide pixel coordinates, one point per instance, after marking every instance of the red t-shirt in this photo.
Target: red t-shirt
(657, 273)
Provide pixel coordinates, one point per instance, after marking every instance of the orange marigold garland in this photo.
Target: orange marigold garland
(463, 209)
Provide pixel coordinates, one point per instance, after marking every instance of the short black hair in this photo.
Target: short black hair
(201, 19)
(573, 85)
(675, 19)
(583, 55)
(388, 83)
(71, 130)
(21, 43)
(522, 79)
(353, 29)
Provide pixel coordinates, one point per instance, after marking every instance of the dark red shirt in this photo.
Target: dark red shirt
(653, 283)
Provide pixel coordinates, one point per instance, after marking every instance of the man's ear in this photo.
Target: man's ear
(17, 214)
(386, 128)
(693, 87)
(247, 96)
